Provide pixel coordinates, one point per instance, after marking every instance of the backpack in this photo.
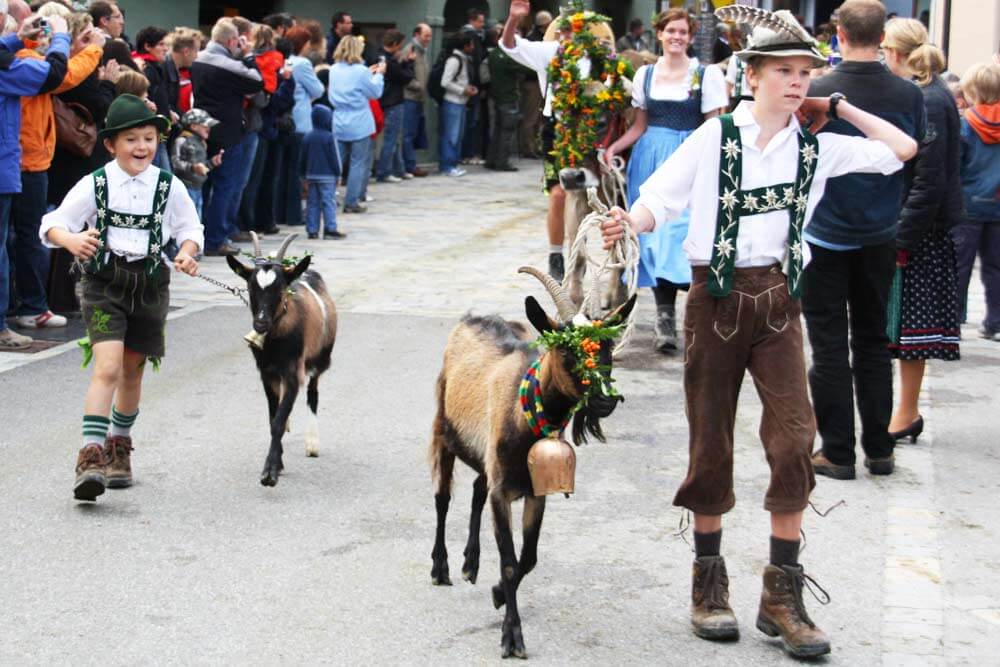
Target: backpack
(435, 87)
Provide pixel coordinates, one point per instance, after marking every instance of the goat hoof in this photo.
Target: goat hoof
(269, 477)
(440, 575)
(470, 570)
(499, 599)
(513, 643)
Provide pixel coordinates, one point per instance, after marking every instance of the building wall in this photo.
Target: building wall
(974, 34)
(142, 13)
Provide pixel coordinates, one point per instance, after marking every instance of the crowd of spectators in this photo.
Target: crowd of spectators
(268, 118)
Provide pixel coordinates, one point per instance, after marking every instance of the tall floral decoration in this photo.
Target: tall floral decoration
(578, 104)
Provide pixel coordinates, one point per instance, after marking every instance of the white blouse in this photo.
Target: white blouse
(537, 56)
(690, 178)
(713, 87)
(127, 194)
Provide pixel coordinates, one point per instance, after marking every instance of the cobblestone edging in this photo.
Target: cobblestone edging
(912, 589)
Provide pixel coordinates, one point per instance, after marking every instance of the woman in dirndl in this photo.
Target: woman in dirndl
(924, 319)
(672, 98)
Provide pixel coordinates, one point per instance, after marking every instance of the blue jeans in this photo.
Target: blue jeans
(252, 190)
(249, 142)
(451, 130)
(226, 182)
(5, 203)
(390, 161)
(322, 199)
(413, 115)
(356, 154)
(199, 201)
(472, 130)
(29, 257)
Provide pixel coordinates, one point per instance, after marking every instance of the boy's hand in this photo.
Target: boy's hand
(185, 263)
(217, 158)
(200, 169)
(613, 230)
(519, 9)
(813, 113)
(82, 245)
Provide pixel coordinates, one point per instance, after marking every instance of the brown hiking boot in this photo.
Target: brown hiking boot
(118, 450)
(90, 478)
(711, 615)
(824, 466)
(782, 612)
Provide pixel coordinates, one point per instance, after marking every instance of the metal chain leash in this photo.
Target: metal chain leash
(238, 291)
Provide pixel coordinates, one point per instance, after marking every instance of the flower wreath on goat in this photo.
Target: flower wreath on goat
(578, 104)
(583, 340)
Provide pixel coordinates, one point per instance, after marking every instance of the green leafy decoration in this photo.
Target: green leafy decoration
(584, 341)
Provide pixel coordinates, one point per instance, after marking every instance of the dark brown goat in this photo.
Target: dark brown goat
(479, 421)
(297, 320)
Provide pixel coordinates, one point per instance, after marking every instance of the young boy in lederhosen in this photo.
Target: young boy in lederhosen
(751, 180)
(116, 221)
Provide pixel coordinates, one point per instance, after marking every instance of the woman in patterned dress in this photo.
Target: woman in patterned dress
(672, 98)
(928, 316)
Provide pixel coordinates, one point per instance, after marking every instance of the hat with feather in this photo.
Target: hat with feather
(776, 34)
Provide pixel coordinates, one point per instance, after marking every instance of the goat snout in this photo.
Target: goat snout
(602, 406)
(262, 324)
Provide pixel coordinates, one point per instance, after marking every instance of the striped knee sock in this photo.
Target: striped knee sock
(122, 424)
(95, 429)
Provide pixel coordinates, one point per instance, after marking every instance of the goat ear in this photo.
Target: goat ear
(621, 313)
(292, 274)
(238, 267)
(537, 316)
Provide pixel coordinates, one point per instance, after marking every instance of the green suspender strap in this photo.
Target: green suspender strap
(152, 222)
(735, 202)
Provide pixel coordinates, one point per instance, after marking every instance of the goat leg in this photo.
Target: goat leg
(511, 639)
(273, 465)
(531, 527)
(444, 467)
(470, 569)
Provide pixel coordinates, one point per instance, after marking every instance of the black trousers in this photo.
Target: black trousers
(844, 300)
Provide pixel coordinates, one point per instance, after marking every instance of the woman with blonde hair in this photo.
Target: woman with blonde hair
(351, 86)
(928, 305)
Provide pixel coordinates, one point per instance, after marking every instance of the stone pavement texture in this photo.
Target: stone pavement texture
(200, 564)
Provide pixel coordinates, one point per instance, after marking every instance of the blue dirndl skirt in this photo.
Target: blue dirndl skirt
(661, 253)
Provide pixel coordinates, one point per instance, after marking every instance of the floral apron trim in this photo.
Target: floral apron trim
(735, 203)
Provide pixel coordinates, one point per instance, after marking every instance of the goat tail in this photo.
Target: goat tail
(439, 457)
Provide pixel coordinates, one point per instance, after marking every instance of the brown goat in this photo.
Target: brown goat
(479, 420)
(297, 320)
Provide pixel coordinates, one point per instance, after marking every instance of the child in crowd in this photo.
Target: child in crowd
(189, 156)
(130, 82)
(319, 165)
(116, 221)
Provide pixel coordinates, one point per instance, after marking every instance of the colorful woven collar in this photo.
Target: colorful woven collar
(530, 394)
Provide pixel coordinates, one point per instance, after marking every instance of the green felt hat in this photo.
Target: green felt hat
(128, 111)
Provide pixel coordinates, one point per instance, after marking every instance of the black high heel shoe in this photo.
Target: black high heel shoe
(912, 431)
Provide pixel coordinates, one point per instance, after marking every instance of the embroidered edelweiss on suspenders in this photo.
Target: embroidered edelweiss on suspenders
(734, 203)
(152, 222)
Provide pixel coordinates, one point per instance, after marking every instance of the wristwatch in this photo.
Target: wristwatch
(834, 101)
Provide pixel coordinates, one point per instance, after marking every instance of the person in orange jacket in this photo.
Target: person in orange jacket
(38, 144)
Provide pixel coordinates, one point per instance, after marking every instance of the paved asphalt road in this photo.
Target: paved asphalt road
(199, 564)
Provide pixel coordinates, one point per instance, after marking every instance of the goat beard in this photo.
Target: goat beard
(588, 420)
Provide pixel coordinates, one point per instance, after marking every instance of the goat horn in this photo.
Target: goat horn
(256, 244)
(284, 246)
(563, 303)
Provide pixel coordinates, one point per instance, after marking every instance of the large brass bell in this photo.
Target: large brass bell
(552, 466)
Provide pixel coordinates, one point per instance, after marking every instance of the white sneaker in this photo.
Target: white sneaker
(407, 176)
(11, 340)
(391, 179)
(46, 320)
(456, 171)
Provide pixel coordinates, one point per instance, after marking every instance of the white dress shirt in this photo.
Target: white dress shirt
(713, 87)
(537, 56)
(127, 194)
(690, 179)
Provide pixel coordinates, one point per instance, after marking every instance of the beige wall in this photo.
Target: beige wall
(975, 32)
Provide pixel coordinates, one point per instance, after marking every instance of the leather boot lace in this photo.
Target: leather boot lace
(714, 583)
(92, 455)
(799, 580)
